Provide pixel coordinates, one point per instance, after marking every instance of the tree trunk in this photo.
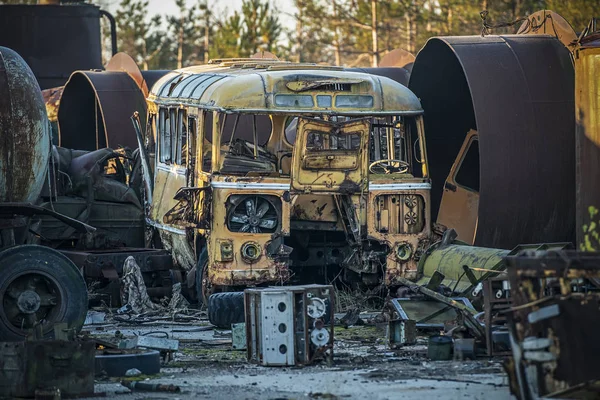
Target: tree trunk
(144, 56)
(336, 43)
(206, 33)
(180, 44)
(299, 30)
(375, 56)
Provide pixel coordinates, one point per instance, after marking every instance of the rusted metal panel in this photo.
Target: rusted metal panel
(26, 367)
(330, 156)
(587, 88)
(55, 40)
(459, 207)
(25, 145)
(517, 92)
(95, 110)
(546, 22)
(94, 262)
(399, 218)
(398, 58)
(216, 87)
(554, 321)
(449, 261)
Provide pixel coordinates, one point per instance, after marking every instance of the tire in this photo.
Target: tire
(147, 361)
(59, 286)
(203, 286)
(225, 309)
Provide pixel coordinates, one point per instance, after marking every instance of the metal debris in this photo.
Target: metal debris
(289, 325)
(150, 387)
(133, 372)
(238, 336)
(150, 342)
(553, 323)
(46, 364)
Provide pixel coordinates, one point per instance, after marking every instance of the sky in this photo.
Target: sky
(165, 7)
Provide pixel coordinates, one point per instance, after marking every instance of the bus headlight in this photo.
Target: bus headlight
(251, 251)
(404, 251)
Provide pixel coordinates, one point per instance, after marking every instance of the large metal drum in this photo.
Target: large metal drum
(55, 40)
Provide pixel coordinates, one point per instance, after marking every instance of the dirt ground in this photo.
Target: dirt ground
(206, 367)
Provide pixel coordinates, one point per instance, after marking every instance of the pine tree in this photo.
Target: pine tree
(186, 32)
(136, 36)
(256, 28)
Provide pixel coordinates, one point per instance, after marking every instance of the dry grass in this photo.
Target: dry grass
(364, 300)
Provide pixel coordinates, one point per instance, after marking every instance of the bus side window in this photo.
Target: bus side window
(151, 133)
(164, 132)
(181, 146)
(207, 126)
(174, 134)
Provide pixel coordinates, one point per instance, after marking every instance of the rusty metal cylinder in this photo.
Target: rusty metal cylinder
(55, 39)
(449, 261)
(24, 129)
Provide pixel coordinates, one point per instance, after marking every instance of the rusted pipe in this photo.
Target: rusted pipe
(113, 30)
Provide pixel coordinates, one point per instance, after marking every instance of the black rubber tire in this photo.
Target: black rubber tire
(225, 309)
(201, 274)
(148, 362)
(73, 307)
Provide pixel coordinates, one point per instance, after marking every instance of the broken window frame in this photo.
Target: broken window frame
(331, 142)
(164, 133)
(173, 135)
(182, 138)
(151, 132)
(192, 135)
(404, 147)
(401, 145)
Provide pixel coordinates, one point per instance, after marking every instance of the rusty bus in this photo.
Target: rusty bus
(270, 172)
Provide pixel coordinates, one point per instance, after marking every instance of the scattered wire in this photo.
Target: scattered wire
(488, 27)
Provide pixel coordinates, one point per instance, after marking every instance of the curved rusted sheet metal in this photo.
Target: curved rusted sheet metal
(587, 100)
(398, 58)
(24, 129)
(95, 110)
(517, 91)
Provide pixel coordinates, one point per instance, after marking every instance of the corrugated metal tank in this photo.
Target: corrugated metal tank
(54, 40)
(24, 131)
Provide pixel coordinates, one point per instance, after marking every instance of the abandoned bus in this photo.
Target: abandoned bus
(268, 172)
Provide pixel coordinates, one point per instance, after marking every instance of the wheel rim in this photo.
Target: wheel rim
(30, 298)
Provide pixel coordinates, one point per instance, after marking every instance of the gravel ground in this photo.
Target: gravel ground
(206, 367)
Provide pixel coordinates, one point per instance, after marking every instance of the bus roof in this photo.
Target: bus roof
(271, 87)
